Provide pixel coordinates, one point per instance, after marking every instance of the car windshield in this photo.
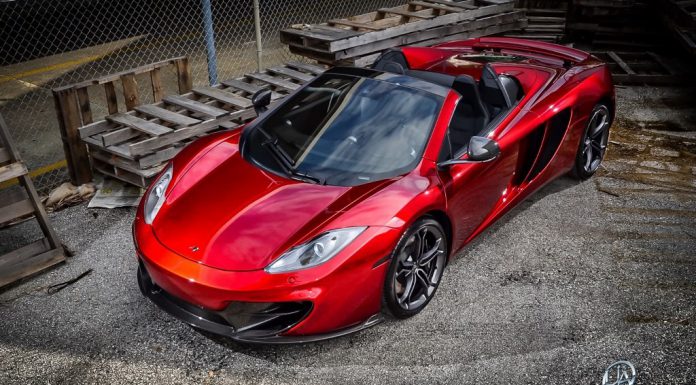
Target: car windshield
(345, 130)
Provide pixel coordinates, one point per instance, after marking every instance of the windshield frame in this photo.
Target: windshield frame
(397, 80)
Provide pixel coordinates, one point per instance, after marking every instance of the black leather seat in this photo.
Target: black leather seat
(470, 116)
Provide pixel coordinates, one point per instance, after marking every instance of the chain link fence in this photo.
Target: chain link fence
(51, 43)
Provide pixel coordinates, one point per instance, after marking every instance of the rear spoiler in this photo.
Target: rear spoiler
(556, 51)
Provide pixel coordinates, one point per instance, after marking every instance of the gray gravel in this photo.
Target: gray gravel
(577, 277)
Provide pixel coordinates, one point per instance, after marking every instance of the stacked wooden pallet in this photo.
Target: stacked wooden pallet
(18, 203)
(612, 24)
(544, 24)
(640, 68)
(359, 39)
(680, 17)
(134, 146)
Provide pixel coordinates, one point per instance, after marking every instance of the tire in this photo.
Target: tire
(593, 144)
(422, 276)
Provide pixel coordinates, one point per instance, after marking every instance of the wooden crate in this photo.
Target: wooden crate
(21, 203)
(413, 23)
(134, 145)
(640, 68)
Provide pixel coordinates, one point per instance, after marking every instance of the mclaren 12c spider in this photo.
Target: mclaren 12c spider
(345, 200)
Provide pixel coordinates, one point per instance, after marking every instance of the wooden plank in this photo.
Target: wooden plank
(95, 128)
(12, 170)
(130, 91)
(117, 136)
(249, 88)
(297, 75)
(195, 106)
(139, 124)
(85, 109)
(183, 72)
(127, 165)
(31, 266)
(156, 81)
(159, 157)
(13, 257)
(353, 24)
(311, 68)
(290, 86)
(166, 115)
(111, 99)
(224, 97)
(441, 7)
(463, 5)
(620, 62)
(69, 119)
(658, 59)
(148, 145)
(406, 14)
(4, 155)
(16, 210)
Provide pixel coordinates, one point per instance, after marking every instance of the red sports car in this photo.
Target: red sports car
(346, 200)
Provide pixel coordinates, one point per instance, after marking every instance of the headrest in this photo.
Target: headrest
(392, 56)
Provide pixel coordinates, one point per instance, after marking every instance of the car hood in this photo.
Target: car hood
(228, 214)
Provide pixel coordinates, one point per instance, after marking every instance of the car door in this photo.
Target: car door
(473, 190)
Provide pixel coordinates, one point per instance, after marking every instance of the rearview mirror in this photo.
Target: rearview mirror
(481, 149)
(261, 99)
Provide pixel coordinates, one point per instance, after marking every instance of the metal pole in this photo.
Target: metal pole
(257, 30)
(209, 41)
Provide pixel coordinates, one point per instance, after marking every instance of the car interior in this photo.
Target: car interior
(483, 103)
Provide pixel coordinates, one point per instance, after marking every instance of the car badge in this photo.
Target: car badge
(619, 373)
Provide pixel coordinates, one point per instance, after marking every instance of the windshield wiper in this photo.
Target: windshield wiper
(285, 162)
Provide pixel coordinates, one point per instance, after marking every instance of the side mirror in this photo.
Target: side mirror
(260, 100)
(481, 149)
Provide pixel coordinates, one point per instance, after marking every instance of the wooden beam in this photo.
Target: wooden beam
(224, 97)
(150, 128)
(75, 150)
(12, 170)
(195, 106)
(166, 115)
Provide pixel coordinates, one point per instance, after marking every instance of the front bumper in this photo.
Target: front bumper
(339, 297)
(264, 326)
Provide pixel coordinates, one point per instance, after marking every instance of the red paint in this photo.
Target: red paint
(242, 218)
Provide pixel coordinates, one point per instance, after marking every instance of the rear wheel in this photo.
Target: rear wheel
(416, 268)
(593, 144)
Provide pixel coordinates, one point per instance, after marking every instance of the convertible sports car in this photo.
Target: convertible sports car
(346, 200)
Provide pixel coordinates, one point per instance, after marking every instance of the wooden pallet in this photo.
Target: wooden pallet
(74, 107)
(680, 18)
(365, 55)
(640, 68)
(543, 24)
(612, 24)
(340, 40)
(16, 204)
(134, 145)
(682, 12)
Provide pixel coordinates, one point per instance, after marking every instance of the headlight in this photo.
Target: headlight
(316, 251)
(155, 197)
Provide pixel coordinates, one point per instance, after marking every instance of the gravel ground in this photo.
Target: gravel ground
(575, 278)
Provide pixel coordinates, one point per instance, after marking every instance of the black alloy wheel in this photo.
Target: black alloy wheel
(593, 145)
(416, 268)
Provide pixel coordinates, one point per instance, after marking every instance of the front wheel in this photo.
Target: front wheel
(416, 268)
(593, 144)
